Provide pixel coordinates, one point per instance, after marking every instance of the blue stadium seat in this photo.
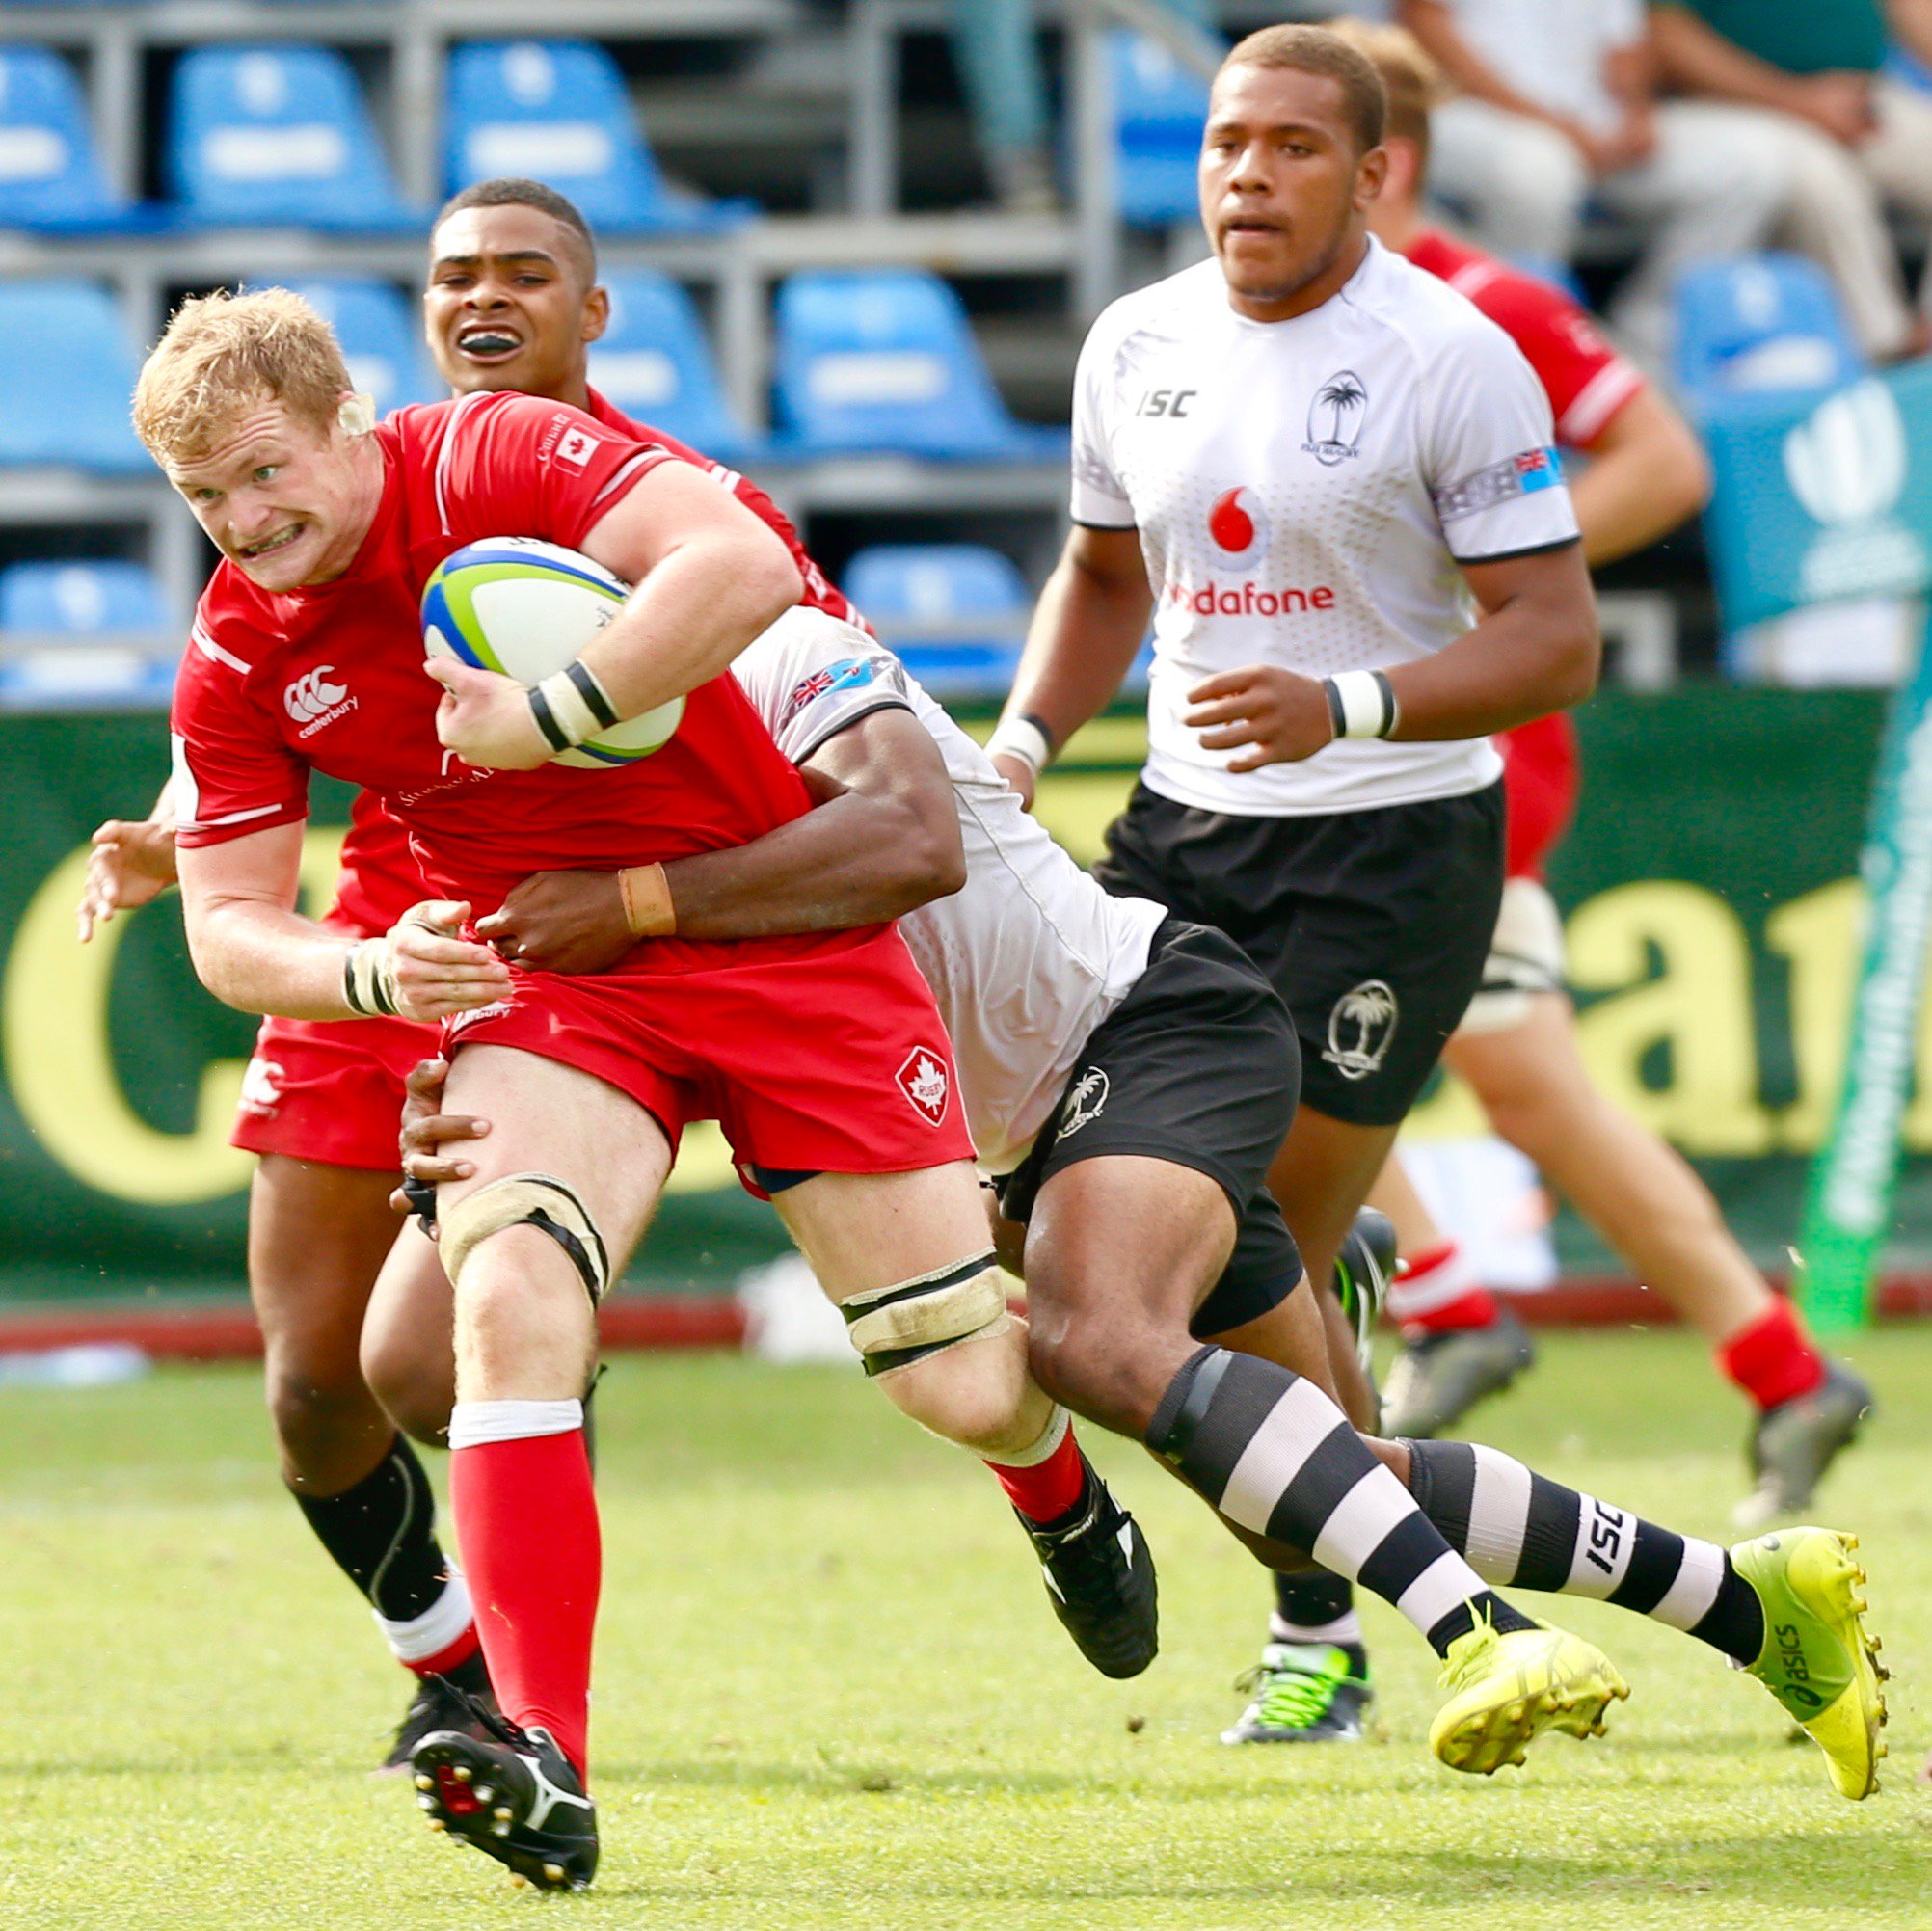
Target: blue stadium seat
(955, 612)
(884, 359)
(381, 335)
(107, 617)
(82, 598)
(277, 136)
(1759, 324)
(66, 402)
(558, 111)
(1159, 110)
(50, 174)
(655, 364)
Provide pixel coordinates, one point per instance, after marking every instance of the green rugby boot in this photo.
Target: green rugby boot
(1302, 1692)
(1818, 1660)
(1508, 1688)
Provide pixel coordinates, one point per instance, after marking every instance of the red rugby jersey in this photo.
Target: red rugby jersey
(381, 879)
(330, 679)
(1586, 380)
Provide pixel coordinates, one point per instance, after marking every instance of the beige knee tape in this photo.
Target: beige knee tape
(893, 1327)
(519, 1198)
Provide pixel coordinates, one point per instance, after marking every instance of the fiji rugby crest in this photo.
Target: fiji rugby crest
(1361, 1029)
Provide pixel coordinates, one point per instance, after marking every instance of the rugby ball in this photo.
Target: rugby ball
(527, 609)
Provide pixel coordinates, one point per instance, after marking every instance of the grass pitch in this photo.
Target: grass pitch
(830, 1693)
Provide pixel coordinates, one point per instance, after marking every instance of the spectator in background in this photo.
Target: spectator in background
(994, 44)
(1555, 109)
(1858, 137)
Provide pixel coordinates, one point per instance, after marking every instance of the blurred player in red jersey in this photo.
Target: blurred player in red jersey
(1517, 1046)
(512, 304)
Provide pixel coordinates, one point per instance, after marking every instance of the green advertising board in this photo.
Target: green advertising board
(1710, 885)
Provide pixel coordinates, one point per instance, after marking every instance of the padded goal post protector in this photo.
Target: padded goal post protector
(1818, 502)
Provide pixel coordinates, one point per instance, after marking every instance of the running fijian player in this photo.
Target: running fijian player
(1123, 1073)
(1307, 461)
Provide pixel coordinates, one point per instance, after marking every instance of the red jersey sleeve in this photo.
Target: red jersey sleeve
(233, 772)
(1586, 380)
(517, 465)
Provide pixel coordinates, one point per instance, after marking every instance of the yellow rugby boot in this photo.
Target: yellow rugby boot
(1509, 1688)
(1817, 1659)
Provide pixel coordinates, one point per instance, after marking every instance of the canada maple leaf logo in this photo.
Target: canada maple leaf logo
(923, 1080)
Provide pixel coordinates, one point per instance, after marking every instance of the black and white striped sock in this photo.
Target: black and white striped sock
(1521, 1529)
(1276, 1457)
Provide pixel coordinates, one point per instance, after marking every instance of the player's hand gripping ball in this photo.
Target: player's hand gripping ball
(523, 610)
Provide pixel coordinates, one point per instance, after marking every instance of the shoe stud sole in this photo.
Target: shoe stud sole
(425, 1783)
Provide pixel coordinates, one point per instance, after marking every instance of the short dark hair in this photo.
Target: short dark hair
(1314, 50)
(512, 191)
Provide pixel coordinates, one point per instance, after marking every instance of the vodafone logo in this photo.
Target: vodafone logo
(1238, 528)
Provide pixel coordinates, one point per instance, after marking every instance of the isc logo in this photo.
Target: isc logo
(1170, 402)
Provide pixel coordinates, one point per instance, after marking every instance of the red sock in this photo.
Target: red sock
(1773, 1359)
(1438, 1293)
(526, 1522)
(1048, 1487)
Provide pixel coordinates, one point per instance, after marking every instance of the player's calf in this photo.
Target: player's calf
(946, 1351)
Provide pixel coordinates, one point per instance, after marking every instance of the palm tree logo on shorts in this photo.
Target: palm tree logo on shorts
(1083, 1100)
(1361, 1027)
(1335, 419)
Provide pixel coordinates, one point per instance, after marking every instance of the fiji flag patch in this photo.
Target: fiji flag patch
(1539, 470)
(1518, 475)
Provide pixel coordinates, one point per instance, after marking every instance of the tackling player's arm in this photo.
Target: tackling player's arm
(884, 841)
(1087, 628)
(710, 577)
(253, 950)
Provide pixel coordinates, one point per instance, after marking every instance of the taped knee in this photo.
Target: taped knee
(525, 1199)
(895, 1327)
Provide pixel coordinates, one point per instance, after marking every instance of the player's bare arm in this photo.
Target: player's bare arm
(710, 577)
(132, 862)
(1086, 627)
(1434, 24)
(253, 950)
(885, 840)
(1696, 59)
(1646, 475)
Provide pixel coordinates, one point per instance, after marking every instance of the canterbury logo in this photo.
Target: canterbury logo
(311, 694)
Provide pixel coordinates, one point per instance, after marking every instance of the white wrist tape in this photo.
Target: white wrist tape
(1360, 704)
(571, 707)
(369, 980)
(370, 966)
(1021, 738)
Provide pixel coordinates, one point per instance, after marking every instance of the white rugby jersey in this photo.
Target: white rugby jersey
(1030, 956)
(1305, 490)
